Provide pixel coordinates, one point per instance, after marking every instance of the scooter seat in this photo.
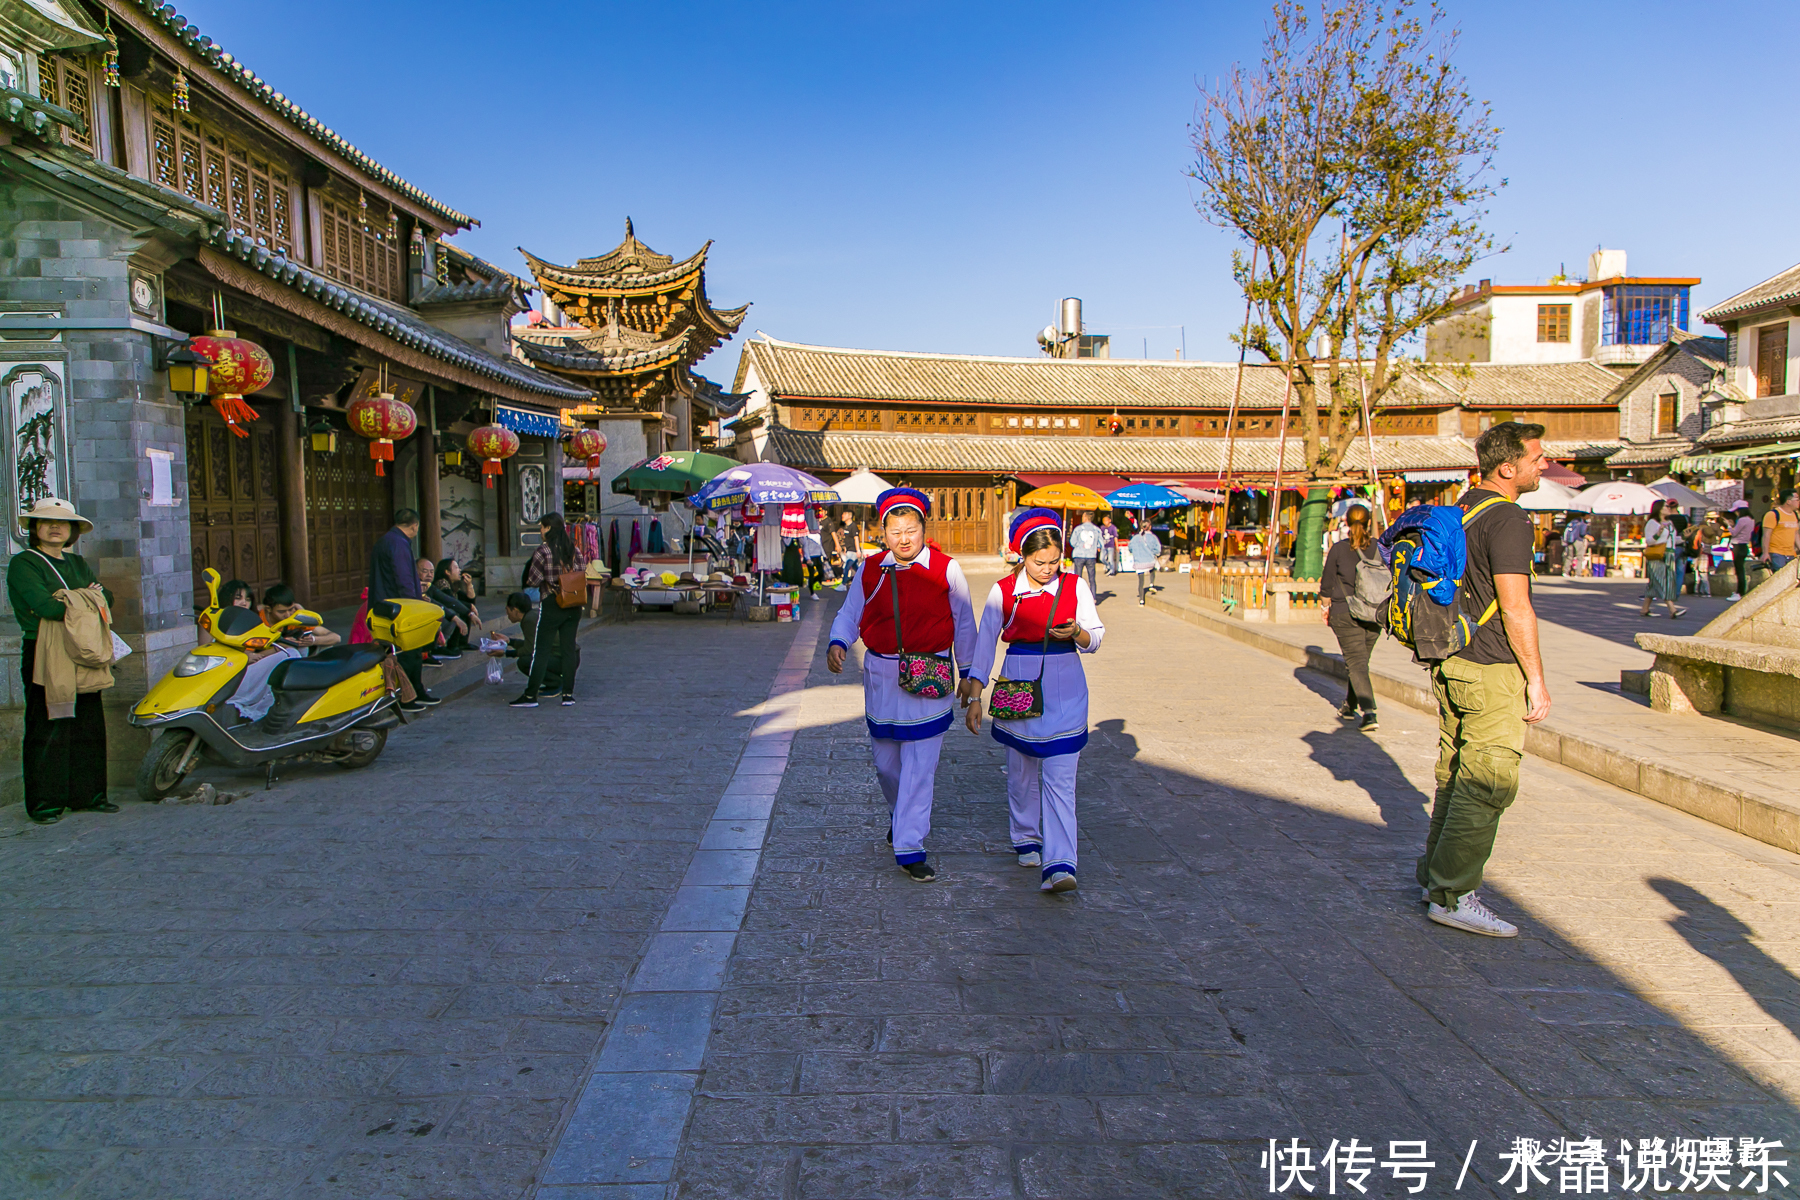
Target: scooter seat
(325, 668)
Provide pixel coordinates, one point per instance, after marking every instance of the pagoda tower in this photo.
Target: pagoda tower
(637, 322)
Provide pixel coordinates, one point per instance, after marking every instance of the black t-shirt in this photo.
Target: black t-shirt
(1500, 543)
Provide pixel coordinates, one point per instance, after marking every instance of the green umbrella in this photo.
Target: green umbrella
(681, 472)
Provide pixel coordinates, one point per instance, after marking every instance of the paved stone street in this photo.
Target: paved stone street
(417, 981)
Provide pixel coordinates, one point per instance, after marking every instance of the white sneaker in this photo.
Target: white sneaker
(1735, 598)
(1061, 881)
(1031, 859)
(1472, 916)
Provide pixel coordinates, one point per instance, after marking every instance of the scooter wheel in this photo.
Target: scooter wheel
(161, 773)
(360, 746)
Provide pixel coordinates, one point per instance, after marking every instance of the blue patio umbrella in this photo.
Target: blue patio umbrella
(762, 483)
(1147, 495)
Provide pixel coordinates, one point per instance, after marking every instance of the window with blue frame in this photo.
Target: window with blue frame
(1643, 315)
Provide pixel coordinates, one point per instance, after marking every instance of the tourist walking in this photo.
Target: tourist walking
(1780, 524)
(1084, 549)
(1109, 545)
(1145, 549)
(1490, 690)
(1743, 528)
(1044, 615)
(63, 754)
(1662, 561)
(1575, 546)
(556, 555)
(394, 575)
(846, 543)
(910, 605)
(1356, 638)
(1702, 535)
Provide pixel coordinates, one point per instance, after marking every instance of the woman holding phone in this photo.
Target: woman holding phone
(1045, 616)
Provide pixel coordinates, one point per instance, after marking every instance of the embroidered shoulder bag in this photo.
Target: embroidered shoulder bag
(923, 675)
(1022, 699)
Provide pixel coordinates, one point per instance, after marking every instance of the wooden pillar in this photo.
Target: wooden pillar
(431, 514)
(296, 565)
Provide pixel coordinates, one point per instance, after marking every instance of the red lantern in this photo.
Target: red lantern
(589, 444)
(238, 367)
(492, 444)
(384, 420)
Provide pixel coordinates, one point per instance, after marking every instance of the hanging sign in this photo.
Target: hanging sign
(409, 392)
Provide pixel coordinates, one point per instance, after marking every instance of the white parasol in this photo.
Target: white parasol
(1620, 498)
(1682, 495)
(861, 487)
(1550, 496)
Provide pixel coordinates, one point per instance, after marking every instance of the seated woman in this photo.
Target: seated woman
(447, 589)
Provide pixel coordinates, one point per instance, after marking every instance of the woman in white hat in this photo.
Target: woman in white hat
(65, 760)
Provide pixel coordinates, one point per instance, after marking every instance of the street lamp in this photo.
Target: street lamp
(189, 370)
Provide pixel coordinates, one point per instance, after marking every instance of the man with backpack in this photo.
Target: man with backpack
(1489, 689)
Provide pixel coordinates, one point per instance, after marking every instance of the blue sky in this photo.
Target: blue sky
(924, 175)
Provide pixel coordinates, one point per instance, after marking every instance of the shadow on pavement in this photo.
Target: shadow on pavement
(1711, 929)
(1244, 961)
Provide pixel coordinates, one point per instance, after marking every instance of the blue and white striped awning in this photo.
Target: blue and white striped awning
(527, 420)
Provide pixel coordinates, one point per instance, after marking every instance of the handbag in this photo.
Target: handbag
(1023, 699)
(923, 675)
(571, 588)
(1655, 552)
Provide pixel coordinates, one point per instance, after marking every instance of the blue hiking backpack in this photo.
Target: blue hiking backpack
(1427, 551)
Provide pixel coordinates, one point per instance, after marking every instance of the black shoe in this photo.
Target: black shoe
(1347, 711)
(104, 806)
(568, 701)
(411, 706)
(920, 872)
(1369, 721)
(523, 702)
(429, 699)
(47, 817)
(431, 660)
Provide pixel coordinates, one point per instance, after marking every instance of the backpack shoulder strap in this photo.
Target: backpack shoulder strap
(1472, 513)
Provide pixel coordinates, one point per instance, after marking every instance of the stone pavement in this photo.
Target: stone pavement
(402, 982)
(1245, 960)
(1732, 773)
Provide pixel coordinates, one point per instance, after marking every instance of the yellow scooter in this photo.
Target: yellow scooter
(335, 705)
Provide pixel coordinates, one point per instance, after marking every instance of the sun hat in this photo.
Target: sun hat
(52, 509)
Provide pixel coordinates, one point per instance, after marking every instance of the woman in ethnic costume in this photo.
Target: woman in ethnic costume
(1044, 615)
(907, 730)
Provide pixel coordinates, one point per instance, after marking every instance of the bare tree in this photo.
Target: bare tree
(1357, 164)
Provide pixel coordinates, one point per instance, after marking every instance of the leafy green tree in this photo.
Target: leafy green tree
(1356, 165)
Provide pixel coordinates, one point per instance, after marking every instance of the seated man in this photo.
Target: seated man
(519, 609)
(254, 697)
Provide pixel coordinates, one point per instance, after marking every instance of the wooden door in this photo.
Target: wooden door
(965, 520)
(348, 506)
(235, 514)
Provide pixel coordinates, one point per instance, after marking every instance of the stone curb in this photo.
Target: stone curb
(1663, 781)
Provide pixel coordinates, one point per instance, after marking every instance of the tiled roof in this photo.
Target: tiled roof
(582, 276)
(152, 202)
(459, 293)
(1524, 385)
(1649, 454)
(185, 31)
(1002, 455)
(1744, 433)
(611, 360)
(395, 321)
(792, 371)
(1779, 289)
(1576, 448)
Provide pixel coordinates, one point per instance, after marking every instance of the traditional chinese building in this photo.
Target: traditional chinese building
(974, 431)
(629, 325)
(150, 184)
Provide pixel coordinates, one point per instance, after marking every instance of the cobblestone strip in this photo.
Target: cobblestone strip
(622, 1139)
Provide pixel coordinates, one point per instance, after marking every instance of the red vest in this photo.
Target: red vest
(927, 623)
(1024, 620)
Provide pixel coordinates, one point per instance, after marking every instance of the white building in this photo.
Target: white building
(1610, 318)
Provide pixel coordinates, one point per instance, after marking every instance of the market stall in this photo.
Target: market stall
(781, 493)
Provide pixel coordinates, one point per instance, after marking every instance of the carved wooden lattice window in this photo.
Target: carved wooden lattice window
(192, 157)
(67, 81)
(365, 258)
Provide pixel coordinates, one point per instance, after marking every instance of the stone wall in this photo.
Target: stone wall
(82, 406)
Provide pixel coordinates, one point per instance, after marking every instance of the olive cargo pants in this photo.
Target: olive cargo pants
(1481, 737)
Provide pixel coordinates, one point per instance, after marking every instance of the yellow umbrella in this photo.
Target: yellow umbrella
(1065, 496)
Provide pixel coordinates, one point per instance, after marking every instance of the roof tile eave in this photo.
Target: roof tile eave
(187, 32)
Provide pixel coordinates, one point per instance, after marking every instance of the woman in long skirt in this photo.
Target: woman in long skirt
(1045, 616)
(936, 620)
(64, 759)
